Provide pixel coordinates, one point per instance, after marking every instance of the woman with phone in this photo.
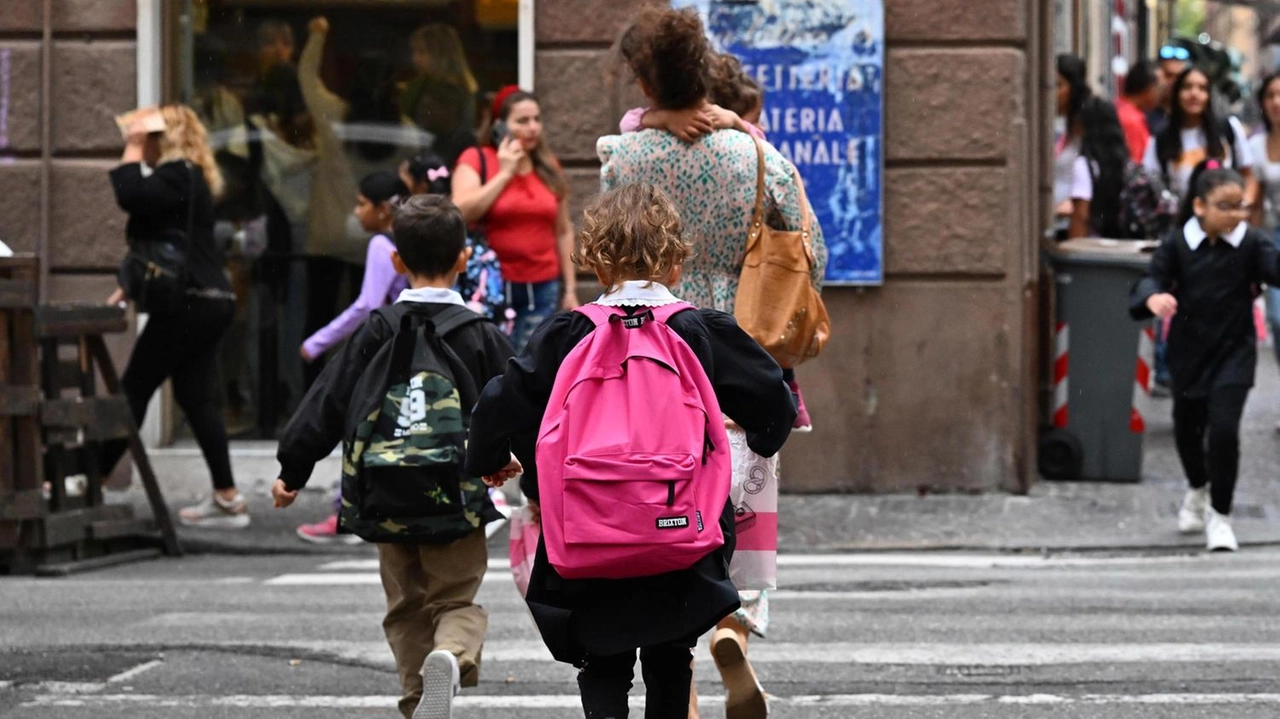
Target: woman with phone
(515, 189)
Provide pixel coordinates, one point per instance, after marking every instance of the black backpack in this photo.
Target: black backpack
(402, 476)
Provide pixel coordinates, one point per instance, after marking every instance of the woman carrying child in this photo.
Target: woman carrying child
(668, 53)
(1204, 278)
(632, 239)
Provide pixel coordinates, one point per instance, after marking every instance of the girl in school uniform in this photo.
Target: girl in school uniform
(632, 239)
(1203, 278)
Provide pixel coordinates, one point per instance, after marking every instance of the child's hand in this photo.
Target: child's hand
(512, 470)
(1163, 305)
(725, 119)
(535, 512)
(688, 125)
(282, 495)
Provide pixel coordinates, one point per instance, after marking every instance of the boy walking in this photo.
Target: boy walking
(399, 397)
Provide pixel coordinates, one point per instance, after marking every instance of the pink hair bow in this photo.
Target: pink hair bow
(437, 174)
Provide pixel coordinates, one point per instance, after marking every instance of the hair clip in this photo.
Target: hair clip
(1213, 165)
(438, 173)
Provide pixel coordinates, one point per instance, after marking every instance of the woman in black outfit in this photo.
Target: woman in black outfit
(166, 181)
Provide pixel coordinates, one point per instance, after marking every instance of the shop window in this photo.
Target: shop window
(303, 98)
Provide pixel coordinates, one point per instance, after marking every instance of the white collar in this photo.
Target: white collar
(1195, 234)
(636, 293)
(431, 295)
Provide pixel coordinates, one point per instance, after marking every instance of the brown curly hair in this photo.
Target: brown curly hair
(731, 88)
(667, 51)
(632, 233)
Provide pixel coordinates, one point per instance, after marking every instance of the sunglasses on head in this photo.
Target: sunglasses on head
(1173, 52)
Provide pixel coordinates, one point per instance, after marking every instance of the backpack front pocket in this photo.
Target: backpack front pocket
(401, 492)
(633, 498)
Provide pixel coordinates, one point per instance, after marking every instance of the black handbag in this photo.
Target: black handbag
(154, 272)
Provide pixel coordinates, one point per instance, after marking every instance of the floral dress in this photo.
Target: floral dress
(713, 184)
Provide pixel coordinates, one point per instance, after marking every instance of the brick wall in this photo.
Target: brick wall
(93, 73)
(924, 383)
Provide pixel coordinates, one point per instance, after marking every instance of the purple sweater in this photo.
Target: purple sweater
(381, 287)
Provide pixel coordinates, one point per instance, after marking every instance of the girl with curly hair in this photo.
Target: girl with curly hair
(712, 183)
(633, 239)
(166, 181)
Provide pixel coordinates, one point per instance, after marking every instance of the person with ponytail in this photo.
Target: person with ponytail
(167, 181)
(1203, 279)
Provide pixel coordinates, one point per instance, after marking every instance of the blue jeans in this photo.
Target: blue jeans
(533, 304)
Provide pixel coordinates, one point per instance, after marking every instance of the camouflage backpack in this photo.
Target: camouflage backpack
(402, 477)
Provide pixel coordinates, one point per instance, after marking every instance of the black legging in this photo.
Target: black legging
(668, 671)
(183, 346)
(1217, 419)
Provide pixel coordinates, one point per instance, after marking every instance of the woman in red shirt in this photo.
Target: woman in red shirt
(520, 195)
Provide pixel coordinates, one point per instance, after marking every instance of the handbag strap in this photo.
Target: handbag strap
(757, 216)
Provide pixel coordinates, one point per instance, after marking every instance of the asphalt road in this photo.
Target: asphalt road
(866, 635)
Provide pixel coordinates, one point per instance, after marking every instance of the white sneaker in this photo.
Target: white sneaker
(1191, 515)
(440, 684)
(1219, 535)
(217, 513)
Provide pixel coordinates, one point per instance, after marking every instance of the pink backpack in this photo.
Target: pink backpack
(633, 459)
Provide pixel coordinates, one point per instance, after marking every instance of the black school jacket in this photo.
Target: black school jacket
(605, 617)
(319, 422)
(1212, 340)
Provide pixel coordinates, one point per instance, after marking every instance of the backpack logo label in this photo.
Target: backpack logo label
(698, 514)
(673, 522)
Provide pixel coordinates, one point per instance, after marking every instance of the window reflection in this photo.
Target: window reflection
(302, 100)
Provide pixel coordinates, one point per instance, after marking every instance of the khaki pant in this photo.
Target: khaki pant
(430, 605)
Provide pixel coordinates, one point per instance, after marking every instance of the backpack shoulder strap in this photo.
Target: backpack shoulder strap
(664, 313)
(598, 314)
(453, 318)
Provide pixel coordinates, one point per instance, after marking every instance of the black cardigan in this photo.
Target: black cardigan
(1212, 340)
(158, 205)
(610, 616)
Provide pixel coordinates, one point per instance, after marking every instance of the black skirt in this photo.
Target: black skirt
(602, 617)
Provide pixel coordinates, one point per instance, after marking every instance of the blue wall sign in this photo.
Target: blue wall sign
(821, 64)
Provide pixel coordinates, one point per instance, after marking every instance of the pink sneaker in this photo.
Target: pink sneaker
(802, 423)
(326, 532)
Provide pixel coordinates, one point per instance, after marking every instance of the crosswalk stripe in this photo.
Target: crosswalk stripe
(893, 559)
(941, 654)
(573, 701)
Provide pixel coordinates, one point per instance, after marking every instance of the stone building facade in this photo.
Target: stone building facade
(929, 381)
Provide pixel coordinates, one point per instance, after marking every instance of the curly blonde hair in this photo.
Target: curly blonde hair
(632, 233)
(185, 138)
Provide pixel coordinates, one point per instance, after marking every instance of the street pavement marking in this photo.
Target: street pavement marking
(336, 578)
(876, 654)
(893, 559)
(128, 674)
(573, 701)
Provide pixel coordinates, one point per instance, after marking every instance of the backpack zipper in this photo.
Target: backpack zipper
(671, 493)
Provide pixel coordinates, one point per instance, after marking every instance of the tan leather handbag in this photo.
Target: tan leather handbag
(777, 303)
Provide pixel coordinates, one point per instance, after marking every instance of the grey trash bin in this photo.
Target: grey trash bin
(1101, 362)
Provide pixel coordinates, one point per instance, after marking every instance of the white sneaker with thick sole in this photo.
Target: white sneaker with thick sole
(217, 513)
(1191, 515)
(1219, 536)
(440, 684)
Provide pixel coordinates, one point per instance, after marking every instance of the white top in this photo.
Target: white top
(1195, 234)
(434, 295)
(637, 293)
(1268, 173)
(1193, 153)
